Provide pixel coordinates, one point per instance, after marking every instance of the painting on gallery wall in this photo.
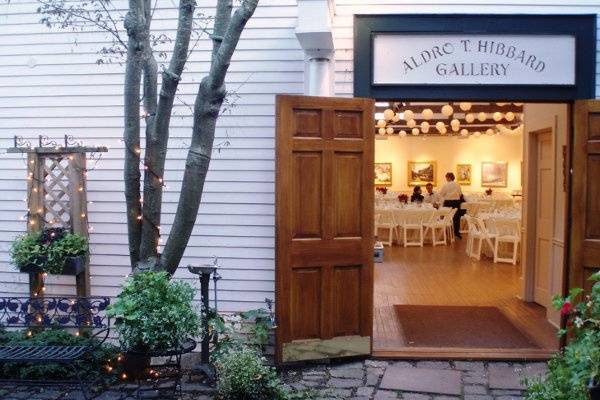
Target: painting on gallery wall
(421, 172)
(383, 174)
(494, 174)
(463, 174)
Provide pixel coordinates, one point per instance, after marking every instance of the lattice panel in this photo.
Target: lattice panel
(57, 201)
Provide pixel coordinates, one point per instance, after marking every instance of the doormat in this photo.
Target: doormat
(460, 327)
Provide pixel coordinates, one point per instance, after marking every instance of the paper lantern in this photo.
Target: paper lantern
(425, 126)
(415, 131)
(476, 134)
(443, 131)
(389, 130)
(510, 116)
(381, 131)
(396, 117)
(411, 123)
(381, 123)
(497, 116)
(465, 106)
(464, 132)
(440, 126)
(501, 104)
(482, 116)
(408, 115)
(427, 113)
(469, 117)
(447, 110)
(518, 104)
(388, 114)
(455, 124)
(489, 131)
(402, 133)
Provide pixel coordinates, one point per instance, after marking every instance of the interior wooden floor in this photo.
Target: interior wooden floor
(445, 275)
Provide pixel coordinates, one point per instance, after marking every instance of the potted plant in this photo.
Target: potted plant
(52, 251)
(153, 314)
(574, 373)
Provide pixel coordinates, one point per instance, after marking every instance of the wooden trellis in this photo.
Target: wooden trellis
(56, 197)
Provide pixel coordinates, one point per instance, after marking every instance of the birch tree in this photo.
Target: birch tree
(144, 186)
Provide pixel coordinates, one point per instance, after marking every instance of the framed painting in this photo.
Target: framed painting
(383, 174)
(463, 174)
(422, 172)
(494, 174)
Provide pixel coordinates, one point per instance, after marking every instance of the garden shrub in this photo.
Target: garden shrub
(91, 366)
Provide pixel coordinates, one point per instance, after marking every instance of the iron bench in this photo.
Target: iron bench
(85, 316)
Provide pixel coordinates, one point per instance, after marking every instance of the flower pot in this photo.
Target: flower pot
(594, 389)
(73, 266)
(135, 364)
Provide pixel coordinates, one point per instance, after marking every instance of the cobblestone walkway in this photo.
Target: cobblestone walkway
(365, 380)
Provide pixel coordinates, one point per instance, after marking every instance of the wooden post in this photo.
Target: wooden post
(79, 215)
(35, 211)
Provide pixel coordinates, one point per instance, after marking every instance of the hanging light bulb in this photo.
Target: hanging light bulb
(388, 114)
(396, 117)
(402, 133)
(381, 131)
(415, 131)
(455, 124)
(427, 113)
(464, 132)
(465, 106)
(381, 123)
(469, 117)
(447, 110)
(497, 116)
(424, 126)
(510, 116)
(389, 130)
(440, 126)
(408, 115)
(482, 116)
(411, 123)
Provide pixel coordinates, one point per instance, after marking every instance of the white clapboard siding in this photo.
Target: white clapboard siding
(50, 85)
(346, 9)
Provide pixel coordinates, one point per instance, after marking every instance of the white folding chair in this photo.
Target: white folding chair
(449, 224)
(387, 221)
(507, 231)
(376, 220)
(471, 210)
(413, 222)
(480, 235)
(437, 224)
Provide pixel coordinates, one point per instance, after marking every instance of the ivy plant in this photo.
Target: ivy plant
(153, 313)
(48, 249)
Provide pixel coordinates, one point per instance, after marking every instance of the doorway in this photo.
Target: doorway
(423, 292)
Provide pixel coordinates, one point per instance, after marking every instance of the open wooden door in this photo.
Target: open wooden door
(584, 244)
(324, 227)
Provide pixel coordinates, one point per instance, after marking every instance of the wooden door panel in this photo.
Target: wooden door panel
(307, 174)
(348, 194)
(324, 227)
(584, 243)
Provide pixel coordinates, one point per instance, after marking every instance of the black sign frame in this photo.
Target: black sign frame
(581, 26)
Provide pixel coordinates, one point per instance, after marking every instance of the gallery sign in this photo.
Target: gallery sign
(473, 59)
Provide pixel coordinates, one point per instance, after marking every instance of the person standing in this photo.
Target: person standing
(451, 194)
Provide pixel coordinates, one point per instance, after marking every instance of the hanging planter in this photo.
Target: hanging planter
(51, 251)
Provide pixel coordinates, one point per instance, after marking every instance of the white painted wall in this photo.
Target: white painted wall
(555, 116)
(448, 151)
(50, 86)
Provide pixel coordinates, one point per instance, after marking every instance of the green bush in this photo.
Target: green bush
(91, 366)
(242, 375)
(578, 364)
(154, 313)
(47, 249)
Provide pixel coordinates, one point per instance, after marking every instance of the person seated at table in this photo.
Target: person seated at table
(451, 194)
(417, 196)
(430, 196)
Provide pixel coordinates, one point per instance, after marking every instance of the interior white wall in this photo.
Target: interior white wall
(540, 116)
(449, 151)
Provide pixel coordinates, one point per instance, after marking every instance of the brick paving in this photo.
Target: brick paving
(362, 380)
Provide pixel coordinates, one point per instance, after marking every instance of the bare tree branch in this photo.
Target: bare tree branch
(206, 111)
